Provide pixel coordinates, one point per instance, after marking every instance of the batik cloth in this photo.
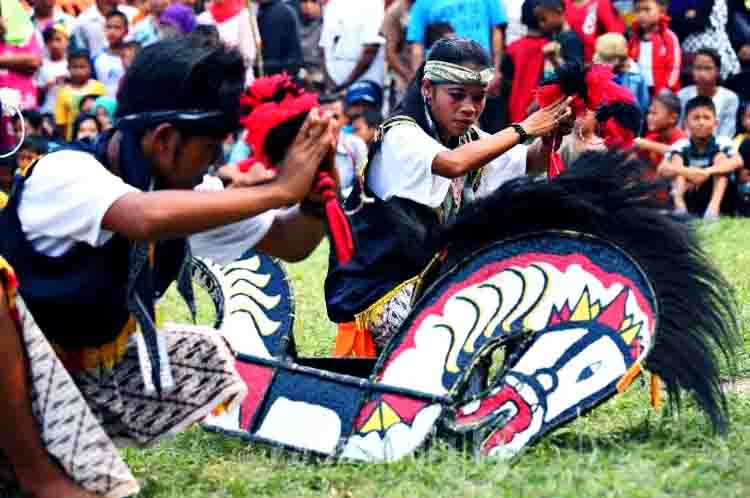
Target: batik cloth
(82, 414)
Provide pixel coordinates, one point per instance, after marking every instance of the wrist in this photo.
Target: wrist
(523, 134)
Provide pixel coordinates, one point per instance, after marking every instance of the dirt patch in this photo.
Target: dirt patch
(741, 386)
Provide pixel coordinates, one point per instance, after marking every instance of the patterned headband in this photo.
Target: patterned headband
(445, 72)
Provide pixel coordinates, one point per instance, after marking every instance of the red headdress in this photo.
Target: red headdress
(270, 102)
(593, 89)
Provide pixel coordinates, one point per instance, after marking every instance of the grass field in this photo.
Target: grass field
(623, 449)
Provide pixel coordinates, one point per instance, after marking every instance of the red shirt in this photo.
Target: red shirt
(655, 136)
(591, 19)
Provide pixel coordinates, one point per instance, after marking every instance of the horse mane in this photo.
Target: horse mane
(602, 194)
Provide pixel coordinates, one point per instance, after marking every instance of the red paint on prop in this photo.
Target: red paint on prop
(257, 379)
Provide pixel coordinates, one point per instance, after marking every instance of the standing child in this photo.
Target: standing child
(655, 46)
(70, 95)
(701, 165)
(54, 70)
(564, 45)
(591, 18)
(612, 50)
(108, 65)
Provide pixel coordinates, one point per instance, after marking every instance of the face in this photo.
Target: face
(58, 45)
(180, 161)
(705, 72)
(659, 117)
(311, 9)
(336, 109)
(103, 116)
(586, 124)
(362, 130)
(80, 70)
(25, 158)
(701, 122)
(455, 107)
(115, 31)
(550, 21)
(648, 13)
(87, 129)
(18, 132)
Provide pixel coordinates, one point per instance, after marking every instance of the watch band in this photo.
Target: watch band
(522, 135)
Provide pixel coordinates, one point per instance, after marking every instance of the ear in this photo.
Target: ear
(162, 145)
(427, 90)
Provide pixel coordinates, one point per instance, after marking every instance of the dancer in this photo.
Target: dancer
(95, 238)
(428, 162)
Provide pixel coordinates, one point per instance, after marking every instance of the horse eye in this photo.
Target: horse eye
(589, 371)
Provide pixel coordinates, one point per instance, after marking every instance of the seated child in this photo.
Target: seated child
(742, 177)
(655, 47)
(661, 120)
(366, 124)
(700, 166)
(584, 138)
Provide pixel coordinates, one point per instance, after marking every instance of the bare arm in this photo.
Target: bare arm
(459, 161)
(724, 165)
(177, 213)
(363, 64)
(417, 54)
(21, 63)
(293, 236)
(651, 146)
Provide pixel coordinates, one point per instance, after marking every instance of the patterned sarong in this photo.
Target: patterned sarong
(81, 415)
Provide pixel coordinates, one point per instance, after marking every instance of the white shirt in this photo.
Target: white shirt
(403, 168)
(646, 62)
(109, 70)
(65, 200)
(347, 27)
(69, 192)
(49, 72)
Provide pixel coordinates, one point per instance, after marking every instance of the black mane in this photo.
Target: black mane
(602, 194)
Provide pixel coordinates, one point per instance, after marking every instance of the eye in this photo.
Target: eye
(457, 95)
(589, 371)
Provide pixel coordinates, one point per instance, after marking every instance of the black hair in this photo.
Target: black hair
(49, 32)
(528, 18)
(669, 100)
(556, 5)
(330, 99)
(700, 101)
(33, 117)
(451, 49)
(436, 31)
(372, 117)
(713, 54)
(663, 3)
(89, 96)
(186, 73)
(120, 15)
(35, 143)
(281, 137)
(80, 120)
(80, 53)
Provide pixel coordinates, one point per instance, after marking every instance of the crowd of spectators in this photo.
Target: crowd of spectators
(681, 59)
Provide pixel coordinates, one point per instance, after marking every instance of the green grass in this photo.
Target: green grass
(623, 449)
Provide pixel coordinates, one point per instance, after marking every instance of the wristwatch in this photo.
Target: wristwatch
(522, 135)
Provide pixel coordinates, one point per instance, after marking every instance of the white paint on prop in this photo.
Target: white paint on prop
(399, 440)
(301, 424)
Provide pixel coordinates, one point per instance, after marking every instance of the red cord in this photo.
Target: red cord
(338, 224)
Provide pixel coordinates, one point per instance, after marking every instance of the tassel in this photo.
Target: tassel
(338, 224)
(655, 391)
(353, 341)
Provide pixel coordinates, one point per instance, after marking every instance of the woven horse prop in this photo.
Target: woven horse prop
(579, 279)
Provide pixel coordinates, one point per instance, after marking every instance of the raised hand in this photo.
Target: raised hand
(548, 118)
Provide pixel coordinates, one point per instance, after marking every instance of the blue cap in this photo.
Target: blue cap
(368, 92)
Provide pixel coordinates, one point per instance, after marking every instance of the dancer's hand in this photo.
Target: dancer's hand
(297, 171)
(548, 118)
